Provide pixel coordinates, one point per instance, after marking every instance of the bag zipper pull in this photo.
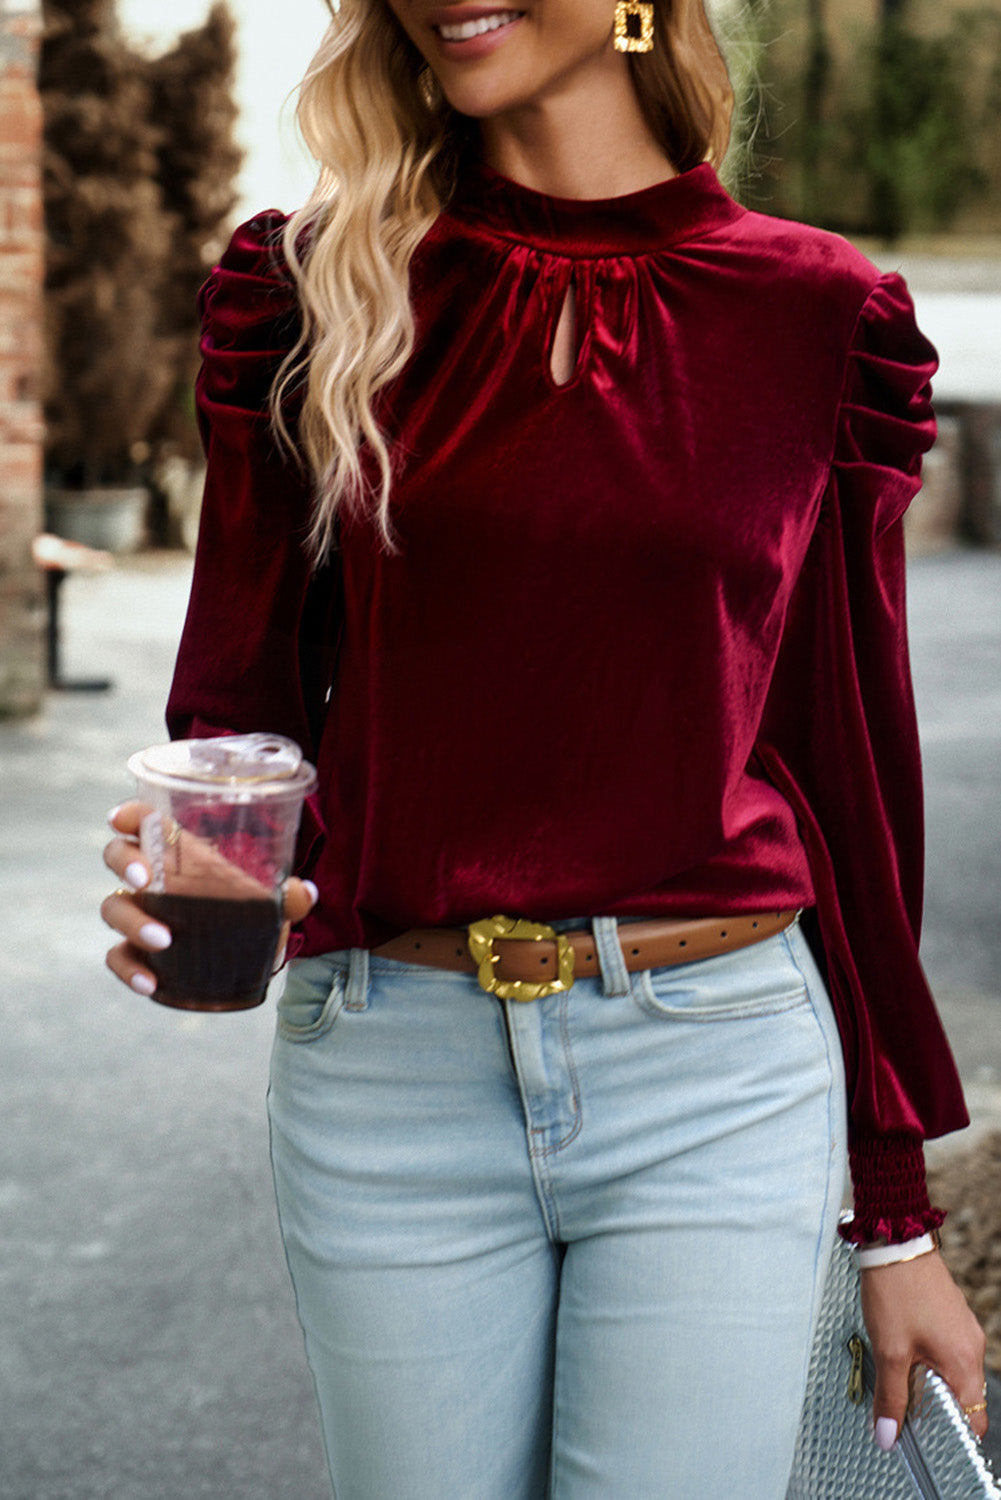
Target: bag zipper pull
(856, 1383)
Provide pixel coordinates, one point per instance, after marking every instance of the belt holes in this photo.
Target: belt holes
(682, 942)
(543, 960)
(459, 952)
(417, 945)
(635, 951)
(723, 932)
(588, 957)
(754, 924)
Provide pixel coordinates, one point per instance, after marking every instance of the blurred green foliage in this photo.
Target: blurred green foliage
(893, 130)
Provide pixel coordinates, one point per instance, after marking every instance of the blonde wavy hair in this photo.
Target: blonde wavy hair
(390, 149)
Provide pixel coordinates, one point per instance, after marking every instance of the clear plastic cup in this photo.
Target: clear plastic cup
(220, 846)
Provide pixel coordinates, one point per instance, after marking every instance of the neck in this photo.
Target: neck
(592, 143)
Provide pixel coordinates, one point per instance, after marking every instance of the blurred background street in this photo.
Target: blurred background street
(148, 1343)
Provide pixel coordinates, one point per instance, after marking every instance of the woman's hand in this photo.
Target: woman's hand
(915, 1314)
(122, 910)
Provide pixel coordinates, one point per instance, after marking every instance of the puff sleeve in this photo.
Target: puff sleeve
(257, 647)
(839, 737)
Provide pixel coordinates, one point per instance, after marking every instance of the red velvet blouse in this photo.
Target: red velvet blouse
(642, 651)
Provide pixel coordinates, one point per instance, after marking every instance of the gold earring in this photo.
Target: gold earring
(430, 89)
(633, 26)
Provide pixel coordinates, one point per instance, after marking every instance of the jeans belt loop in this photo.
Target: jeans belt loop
(611, 956)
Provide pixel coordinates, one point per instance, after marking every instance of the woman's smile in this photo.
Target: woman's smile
(469, 32)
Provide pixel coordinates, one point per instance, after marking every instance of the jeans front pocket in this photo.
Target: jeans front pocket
(312, 999)
(760, 979)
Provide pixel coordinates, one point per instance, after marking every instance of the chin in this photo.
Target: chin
(480, 104)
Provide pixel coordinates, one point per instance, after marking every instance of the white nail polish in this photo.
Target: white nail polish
(113, 814)
(137, 875)
(313, 890)
(152, 935)
(886, 1433)
(142, 985)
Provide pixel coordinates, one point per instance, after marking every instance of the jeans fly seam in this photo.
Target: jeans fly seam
(578, 1120)
(543, 1186)
(544, 1193)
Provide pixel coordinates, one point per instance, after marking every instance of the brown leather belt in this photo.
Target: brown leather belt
(522, 960)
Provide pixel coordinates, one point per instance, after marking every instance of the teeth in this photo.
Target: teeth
(464, 30)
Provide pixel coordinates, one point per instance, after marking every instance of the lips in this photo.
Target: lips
(464, 31)
(467, 33)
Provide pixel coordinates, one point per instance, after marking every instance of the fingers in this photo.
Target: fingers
(300, 898)
(129, 959)
(125, 914)
(975, 1411)
(963, 1371)
(889, 1402)
(122, 855)
(127, 816)
(126, 963)
(916, 1315)
(122, 911)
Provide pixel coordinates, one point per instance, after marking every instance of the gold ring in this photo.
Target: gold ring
(174, 834)
(971, 1411)
(123, 890)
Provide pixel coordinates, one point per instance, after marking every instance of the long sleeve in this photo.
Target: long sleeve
(261, 628)
(840, 739)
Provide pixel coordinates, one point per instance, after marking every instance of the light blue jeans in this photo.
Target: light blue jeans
(571, 1248)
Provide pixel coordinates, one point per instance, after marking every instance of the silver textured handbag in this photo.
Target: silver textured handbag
(936, 1457)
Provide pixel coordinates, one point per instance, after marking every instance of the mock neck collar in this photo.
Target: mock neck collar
(683, 207)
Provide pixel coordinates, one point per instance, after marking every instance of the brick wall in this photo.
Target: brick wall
(21, 273)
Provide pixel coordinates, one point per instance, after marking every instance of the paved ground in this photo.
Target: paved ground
(148, 1344)
(148, 1348)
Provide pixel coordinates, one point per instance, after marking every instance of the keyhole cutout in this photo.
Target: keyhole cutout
(563, 356)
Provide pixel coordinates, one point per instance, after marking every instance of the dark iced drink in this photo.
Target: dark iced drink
(219, 844)
(223, 952)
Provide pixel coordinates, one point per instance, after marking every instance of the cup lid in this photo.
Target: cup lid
(230, 760)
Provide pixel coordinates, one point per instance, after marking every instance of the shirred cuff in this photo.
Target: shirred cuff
(891, 1192)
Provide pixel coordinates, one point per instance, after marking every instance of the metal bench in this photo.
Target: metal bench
(58, 558)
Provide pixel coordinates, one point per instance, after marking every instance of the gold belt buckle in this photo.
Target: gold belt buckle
(481, 948)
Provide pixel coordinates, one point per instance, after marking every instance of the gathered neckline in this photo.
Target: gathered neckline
(682, 207)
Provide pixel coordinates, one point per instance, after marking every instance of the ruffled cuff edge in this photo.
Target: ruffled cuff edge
(891, 1192)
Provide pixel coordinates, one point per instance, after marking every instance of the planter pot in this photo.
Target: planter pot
(181, 484)
(109, 518)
